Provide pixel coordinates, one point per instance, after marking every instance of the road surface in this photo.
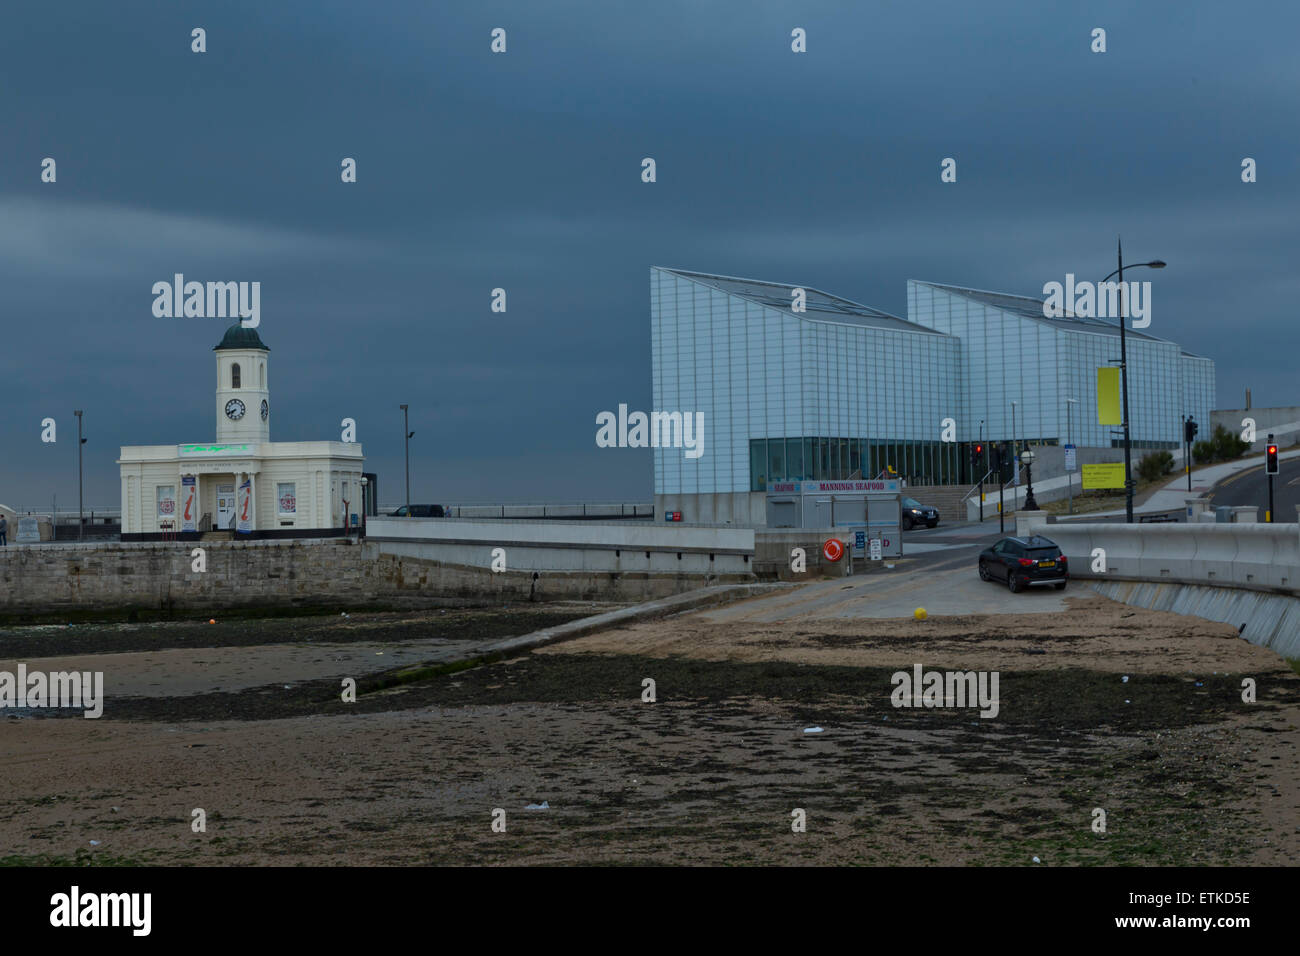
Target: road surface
(1251, 488)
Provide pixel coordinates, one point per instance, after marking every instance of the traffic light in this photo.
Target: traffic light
(995, 452)
(976, 455)
(1190, 428)
(1270, 463)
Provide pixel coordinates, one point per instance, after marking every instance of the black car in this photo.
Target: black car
(419, 511)
(1023, 562)
(915, 513)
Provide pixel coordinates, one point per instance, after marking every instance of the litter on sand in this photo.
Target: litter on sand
(1124, 678)
(1037, 860)
(94, 843)
(812, 730)
(544, 805)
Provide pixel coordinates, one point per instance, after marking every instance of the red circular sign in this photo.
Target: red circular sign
(833, 549)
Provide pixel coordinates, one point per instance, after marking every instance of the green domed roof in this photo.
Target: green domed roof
(238, 337)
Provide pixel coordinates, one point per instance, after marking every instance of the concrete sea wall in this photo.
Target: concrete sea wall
(404, 567)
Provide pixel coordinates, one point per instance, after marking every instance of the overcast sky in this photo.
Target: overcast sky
(522, 170)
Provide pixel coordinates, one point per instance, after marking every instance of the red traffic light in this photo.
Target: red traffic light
(1272, 449)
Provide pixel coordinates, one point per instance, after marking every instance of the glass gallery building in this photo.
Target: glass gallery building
(842, 390)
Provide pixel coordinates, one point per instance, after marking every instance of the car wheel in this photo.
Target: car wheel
(1015, 583)
(907, 522)
(1061, 586)
(984, 572)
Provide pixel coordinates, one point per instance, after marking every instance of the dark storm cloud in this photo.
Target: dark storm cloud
(522, 171)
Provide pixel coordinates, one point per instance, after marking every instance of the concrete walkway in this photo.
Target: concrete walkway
(1174, 495)
(897, 594)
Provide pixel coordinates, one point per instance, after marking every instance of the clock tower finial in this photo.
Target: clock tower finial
(243, 401)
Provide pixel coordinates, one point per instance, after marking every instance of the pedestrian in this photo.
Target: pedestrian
(4, 532)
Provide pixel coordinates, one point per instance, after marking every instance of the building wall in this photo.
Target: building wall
(1006, 357)
(318, 489)
(745, 509)
(1199, 391)
(758, 372)
(1003, 359)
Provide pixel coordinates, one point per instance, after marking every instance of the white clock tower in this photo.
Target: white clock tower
(243, 402)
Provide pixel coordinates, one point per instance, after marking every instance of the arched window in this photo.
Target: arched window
(234, 375)
(261, 369)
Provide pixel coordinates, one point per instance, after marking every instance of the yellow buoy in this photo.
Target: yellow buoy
(919, 614)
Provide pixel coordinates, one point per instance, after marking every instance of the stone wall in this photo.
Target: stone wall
(47, 578)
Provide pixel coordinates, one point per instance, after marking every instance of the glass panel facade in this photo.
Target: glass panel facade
(840, 458)
(843, 389)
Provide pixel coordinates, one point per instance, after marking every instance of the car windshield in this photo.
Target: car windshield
(911, 503)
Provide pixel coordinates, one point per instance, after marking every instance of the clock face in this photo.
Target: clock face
(266, 409)
(234, 409)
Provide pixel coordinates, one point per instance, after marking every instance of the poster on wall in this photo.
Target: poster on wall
(243, 523)
(189, 521)
(166, 503)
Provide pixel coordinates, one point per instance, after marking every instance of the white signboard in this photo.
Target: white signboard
(827, 487)
(28, 530)
(1069, 458)
(877, 553)
(243, 521)
(188, 504)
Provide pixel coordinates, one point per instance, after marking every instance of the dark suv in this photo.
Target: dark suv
(419, 511)
(1023, 562)
(915, 513)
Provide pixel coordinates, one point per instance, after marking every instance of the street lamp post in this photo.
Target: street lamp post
(1123, 375)
(365, 504)
(1028, 457)
(1069, 440)
(406, 441)
(81, 526)
(1015, 456)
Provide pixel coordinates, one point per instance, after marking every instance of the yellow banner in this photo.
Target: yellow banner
(1108, 404)
(1110, 475)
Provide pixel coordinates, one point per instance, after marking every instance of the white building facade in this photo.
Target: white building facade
(242, 482)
